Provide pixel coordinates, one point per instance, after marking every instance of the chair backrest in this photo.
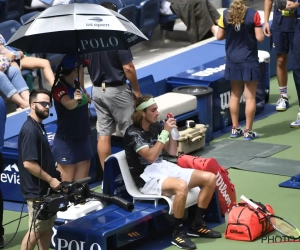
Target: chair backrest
(8, 28)
(26, 17)
(127, 177)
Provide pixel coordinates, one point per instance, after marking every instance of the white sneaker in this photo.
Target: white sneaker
(296, 124)
(282, 104)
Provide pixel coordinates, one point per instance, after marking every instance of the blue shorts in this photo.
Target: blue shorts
(246, 71)
(71, 151)
(281, 42)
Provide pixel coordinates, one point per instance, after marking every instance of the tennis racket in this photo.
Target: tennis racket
(279, 224)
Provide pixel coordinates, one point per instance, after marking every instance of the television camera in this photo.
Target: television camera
(76, 192)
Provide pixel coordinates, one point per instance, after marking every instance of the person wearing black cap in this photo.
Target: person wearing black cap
(71, 147)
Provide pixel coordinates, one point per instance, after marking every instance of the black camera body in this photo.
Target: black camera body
(76, 192)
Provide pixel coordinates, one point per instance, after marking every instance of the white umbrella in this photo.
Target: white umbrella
(76, 29)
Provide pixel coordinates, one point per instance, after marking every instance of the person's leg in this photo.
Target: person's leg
(281, 46)
(105, 122)
(82, 170)
(104, 148)
(39, 232)
(296, 70)
(123, 107)
(207, 181)
(30, 240)
(67, 171)
(234, 107)
(250, 95)
(178, 188)
(45, 239)
(11, 92)
(17, 80)
(34, 63)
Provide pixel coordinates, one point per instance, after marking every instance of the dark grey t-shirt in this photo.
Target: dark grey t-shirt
(136, 138)
(107, 66)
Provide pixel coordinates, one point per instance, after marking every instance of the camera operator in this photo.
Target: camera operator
(37, 168)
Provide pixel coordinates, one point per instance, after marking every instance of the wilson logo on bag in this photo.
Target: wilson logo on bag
(226, 190)
(246, 223)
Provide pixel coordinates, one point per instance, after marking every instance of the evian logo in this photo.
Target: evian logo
(11, 174)
(222, 188)
(224, 98)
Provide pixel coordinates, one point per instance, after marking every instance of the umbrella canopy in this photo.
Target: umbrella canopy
(76, 29)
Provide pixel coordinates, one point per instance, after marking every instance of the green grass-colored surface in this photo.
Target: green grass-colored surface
(262, 187)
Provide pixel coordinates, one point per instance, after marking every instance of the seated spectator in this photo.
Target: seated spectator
(39, 4)
(26, 62)
(200, 17)
(144, 141)
(14, 87)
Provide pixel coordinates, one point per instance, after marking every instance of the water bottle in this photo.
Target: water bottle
(174, 132)
(224, 120)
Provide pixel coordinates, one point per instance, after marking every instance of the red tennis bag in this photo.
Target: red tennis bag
(247, 224)
(226, 190)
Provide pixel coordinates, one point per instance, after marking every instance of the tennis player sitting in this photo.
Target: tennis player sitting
(144, 141)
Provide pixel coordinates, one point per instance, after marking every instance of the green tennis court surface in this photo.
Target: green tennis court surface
(273, 130)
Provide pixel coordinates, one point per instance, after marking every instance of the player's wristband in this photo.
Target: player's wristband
(163, 137)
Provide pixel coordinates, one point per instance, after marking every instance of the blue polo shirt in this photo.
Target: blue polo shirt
(241, 44)
(75, 123)
(2, 122)
(282, 23)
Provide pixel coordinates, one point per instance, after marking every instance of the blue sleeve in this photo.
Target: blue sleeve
(125, 56)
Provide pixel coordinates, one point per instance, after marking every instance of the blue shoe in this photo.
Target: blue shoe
(236, 132)
(250, 135)
(296, 124)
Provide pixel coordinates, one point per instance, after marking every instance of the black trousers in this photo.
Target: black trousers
(296, 59)
(1, 197)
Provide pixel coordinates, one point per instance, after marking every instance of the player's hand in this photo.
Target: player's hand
(77, 94)
(54, 183)
(266, 29)
(169, 124)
